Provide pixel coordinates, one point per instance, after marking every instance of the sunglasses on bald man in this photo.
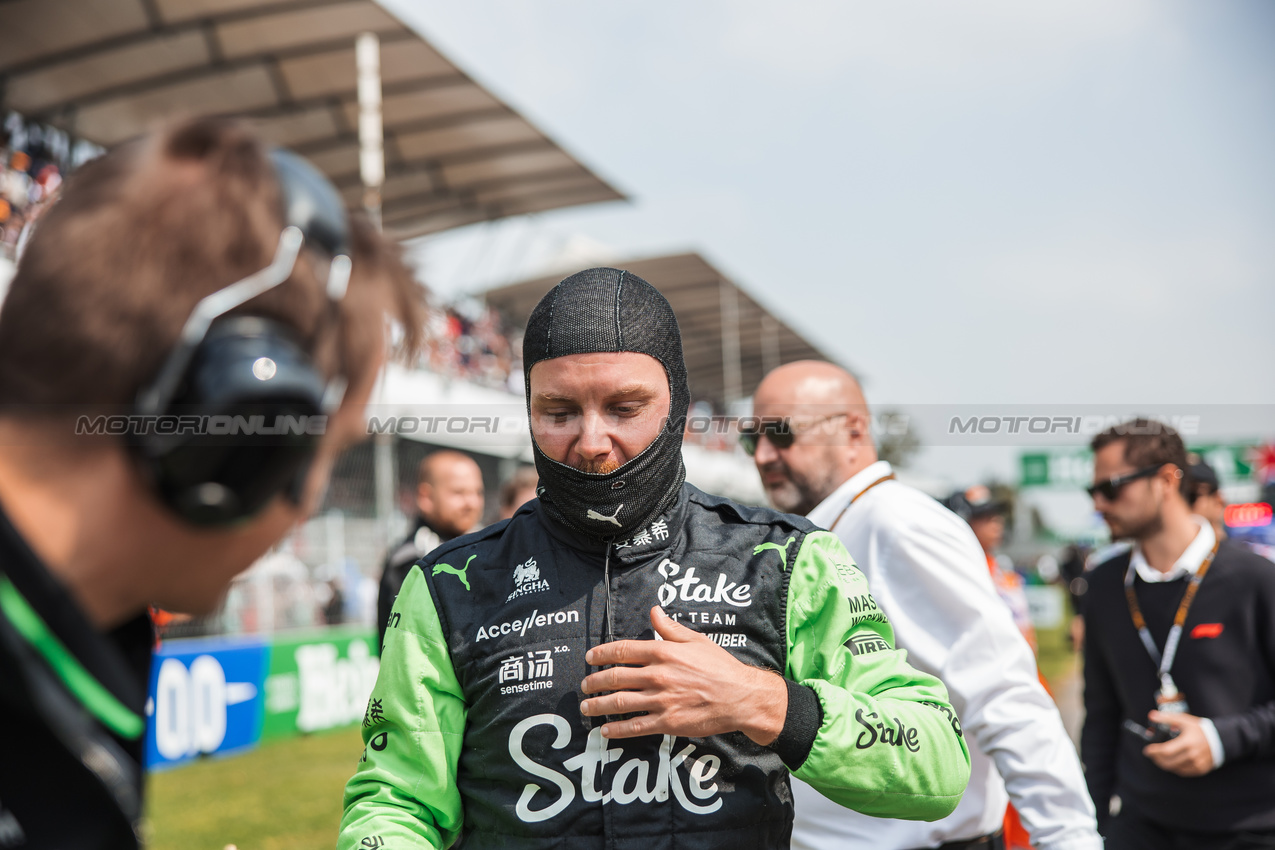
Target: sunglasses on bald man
(781, 432)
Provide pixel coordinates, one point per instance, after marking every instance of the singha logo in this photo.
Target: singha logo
(524, 573)
(527, 580)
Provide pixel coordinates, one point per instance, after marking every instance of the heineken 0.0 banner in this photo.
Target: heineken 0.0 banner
(218, 695)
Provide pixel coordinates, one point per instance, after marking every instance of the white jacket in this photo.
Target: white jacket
(928, 574)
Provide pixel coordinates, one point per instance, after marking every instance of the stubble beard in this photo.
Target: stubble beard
(598, 467)
(1138, 531)
(797, 493)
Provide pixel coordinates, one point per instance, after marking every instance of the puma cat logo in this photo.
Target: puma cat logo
(782, 550)
(592, 514)
(460, 574)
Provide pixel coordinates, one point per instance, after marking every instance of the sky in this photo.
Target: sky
(1064, 202)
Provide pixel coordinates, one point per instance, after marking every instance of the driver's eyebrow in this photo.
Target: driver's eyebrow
(637, 392)
(550, 398)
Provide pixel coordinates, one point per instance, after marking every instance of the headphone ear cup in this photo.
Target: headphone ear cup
(242, 428)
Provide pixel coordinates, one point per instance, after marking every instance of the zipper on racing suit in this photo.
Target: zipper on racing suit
(606, 577)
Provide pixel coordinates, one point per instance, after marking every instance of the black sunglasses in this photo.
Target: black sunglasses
(778, 431)
(781, 432)
(1110, 489)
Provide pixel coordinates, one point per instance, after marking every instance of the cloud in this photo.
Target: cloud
(1112, 273)
(970, 39)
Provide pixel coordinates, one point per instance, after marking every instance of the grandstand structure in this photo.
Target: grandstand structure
(730, 341)
(107, 70)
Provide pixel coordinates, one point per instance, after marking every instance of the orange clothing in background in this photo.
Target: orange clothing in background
(1009, 586)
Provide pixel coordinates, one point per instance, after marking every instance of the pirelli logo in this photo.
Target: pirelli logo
(865, 644)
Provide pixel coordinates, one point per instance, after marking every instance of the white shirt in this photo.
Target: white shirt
(1187, 564)
(928, 574)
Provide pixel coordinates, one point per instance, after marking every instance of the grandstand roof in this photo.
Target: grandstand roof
(106, 70)
(726, 357)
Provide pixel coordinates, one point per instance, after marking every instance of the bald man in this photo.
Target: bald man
(813, 448)
(449, 503)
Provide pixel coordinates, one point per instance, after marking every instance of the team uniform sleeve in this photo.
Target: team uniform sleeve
(1251, 734)
(888, 743)
(403, 793)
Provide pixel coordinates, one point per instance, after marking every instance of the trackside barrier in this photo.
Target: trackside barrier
(226, 694)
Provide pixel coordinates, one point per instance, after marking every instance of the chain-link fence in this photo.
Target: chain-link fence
(326, 572)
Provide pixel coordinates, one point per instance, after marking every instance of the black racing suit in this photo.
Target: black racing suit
(423, 540)
(474, 727)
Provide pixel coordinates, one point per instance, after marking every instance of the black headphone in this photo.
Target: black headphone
(238, 409)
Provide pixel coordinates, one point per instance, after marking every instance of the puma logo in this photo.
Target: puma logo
(782, 550)
(460, 574)
(592, 514)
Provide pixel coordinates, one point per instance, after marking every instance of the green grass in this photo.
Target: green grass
(1054, 655)
(284, 795)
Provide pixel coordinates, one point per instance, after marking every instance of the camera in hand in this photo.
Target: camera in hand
(1158, 733)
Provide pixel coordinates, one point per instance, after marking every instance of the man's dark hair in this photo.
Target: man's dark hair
(1147, 442)
(1200, 480)
(525, 476)
(428, 469)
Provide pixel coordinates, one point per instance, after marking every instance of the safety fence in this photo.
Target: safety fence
(225, 694)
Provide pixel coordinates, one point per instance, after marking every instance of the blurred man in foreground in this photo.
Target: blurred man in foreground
(813, 448)
(449, 503)
(1179, 645)
(717, 646)
(185, 279)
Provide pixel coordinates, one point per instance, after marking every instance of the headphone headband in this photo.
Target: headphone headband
(215, 370)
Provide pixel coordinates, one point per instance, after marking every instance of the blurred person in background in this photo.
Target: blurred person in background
(1179, 640)
(102, 319)
(1071, 566)
(518, 490)
(449, 503)
(333, 601)
(1203, 494)
(814, 451)
(986, 518)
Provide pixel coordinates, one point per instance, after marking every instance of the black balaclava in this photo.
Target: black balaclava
(609, 310)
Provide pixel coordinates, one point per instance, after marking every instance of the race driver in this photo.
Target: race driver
(628, 662)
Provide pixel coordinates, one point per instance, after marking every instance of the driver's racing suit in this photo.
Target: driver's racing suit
(474, 727)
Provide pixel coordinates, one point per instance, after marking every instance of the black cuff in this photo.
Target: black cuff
(801, 725)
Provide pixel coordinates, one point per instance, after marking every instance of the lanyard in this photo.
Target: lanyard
(1179, 619)
(880, 480)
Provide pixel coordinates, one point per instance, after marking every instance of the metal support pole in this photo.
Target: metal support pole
(769, 345)
(732, 381)
(367, 52)
(384, 479)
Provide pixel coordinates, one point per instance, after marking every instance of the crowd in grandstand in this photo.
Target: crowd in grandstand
(32, 160)
(469, 340)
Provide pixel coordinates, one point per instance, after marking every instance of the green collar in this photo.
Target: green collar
(91, 693)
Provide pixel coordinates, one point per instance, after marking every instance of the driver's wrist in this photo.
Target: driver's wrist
(765, 709)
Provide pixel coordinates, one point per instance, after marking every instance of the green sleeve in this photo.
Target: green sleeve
(889, 744)
(403, 791)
